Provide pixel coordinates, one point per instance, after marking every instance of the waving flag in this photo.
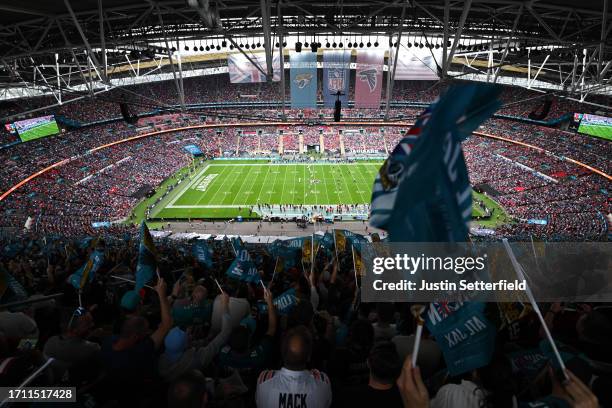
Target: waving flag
(241, 252)
(465, 335)
(286, 253)
(202, 253)
(242, 71)
(147, 258)
(87, 272)
(8, 284)
(336, 75)
(303, 76)
(244, 270)
(422, 192)
(283, 303)
(339, 241)
(327, 242)
(368, 78)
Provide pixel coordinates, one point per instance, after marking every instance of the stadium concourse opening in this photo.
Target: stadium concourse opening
(231, 203)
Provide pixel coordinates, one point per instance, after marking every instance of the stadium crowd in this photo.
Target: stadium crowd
(564, 199)
(197, 337)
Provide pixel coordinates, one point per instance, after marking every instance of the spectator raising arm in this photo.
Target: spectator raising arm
(411, 386)
(271, 314)
(166, 318)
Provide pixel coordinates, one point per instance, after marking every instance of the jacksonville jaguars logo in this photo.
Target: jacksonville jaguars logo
(390, 174)
(370, 76)
(302, 80)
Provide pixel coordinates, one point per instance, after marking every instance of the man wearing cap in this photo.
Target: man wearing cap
(178, 359)
(131, 357)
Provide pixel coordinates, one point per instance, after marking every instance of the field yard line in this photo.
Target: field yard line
(283, 188)
(262, 184)
(364, 182)
(241, 188)
(325, 182)
(273, 184)
(305, 185)
(187, 186)
(214, 194)
(253, 184)
(229, 206)
(348, 189)
(231, 186)
(294, 187)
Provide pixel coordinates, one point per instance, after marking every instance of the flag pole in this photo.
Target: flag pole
(536, 308)
(274, 272)
(129, 280)
(416, 311)
(354, 265)
(335, 246)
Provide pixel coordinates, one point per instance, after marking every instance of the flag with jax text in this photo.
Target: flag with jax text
(87, 272)
(422, 192)
(284, 303)
(287, 253)
(243, 268)
(147, 258)
(303, 75)
(202, 253)
(336, 75)
(465, 335)
(369, 78)
(242, 71)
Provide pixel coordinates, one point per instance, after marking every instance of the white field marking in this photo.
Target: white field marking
(348, 188)
(243, 205)
(253, 178)
(228, 165)
(244, 178)
(205, 182)
(283, 188)
(187, 186)
(219, 190)
(261, 186)
(325, 182)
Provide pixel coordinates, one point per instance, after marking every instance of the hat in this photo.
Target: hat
(175, 344)
(130, 300)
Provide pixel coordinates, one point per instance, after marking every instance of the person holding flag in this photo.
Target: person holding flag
(147, 258)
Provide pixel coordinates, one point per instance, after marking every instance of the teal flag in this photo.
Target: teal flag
(422, 192)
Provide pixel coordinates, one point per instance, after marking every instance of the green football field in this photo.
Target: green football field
(223, 190)
(602, 131)
(42, 130)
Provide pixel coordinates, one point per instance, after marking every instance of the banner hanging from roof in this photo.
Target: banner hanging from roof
(242, 71)
(303, 76)
(417, 64)
(368, 79)
(336, 75)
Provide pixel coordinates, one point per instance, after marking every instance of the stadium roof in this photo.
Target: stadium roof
(569, 40)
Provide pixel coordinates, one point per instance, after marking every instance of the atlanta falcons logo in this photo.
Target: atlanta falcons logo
(369, 75)
(302, 80)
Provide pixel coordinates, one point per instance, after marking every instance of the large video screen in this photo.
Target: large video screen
(594, 125)
(36, 128)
